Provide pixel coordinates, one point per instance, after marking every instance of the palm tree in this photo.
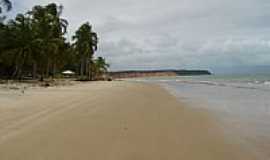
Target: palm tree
(58, 29)
(85, 45)
(41, 29)
(49, 28)
(101, 67)
(6, 58)
(35, 43)
(59, 25)
(21, 42)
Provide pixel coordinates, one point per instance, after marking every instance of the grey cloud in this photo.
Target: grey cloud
(174, 33)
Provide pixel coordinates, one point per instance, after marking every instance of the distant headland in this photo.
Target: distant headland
(157, 73)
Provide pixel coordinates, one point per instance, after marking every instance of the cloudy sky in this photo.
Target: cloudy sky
(155, 34)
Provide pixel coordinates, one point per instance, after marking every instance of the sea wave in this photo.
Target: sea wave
(260, 85)
(241, 84)
(266, 82)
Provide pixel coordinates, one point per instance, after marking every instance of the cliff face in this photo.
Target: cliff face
(157, 73)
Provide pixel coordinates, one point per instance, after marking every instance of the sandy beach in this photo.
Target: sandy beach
(108, 121)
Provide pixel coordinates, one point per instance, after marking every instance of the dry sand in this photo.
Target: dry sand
(108, 121)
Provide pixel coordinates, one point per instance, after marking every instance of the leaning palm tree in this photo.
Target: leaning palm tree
(49, 29)
(59, 25)
(42, 30)
(58, 28)
(85, 45)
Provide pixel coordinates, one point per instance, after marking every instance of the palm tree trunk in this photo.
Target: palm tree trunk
(42, 74)
(48, 68)
(21, 65)
(15, 71)
(82, 67)
(41, 77)
(34, 74)
(87, 69)
(90, 71)
(54, 69)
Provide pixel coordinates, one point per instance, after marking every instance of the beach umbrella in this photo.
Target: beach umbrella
(68, 72)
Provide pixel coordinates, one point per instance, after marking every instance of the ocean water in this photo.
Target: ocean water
(240, 104)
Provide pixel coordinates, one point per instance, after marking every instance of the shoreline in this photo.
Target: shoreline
(109, 120)
(243, 115)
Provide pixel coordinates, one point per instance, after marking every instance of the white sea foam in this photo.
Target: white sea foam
(267, 83)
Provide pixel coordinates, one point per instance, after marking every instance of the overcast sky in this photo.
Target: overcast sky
(155, 34)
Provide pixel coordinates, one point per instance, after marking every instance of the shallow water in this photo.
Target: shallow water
(241, 104)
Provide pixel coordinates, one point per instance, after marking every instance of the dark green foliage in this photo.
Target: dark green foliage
(100, 67)
(34, 44)
(85, 46)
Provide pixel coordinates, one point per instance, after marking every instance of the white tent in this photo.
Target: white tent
(68, 72)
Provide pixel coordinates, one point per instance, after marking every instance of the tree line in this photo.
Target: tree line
(34, 44)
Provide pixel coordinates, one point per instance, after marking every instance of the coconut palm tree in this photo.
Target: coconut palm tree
(35, 42)
(41, 21)
(85, 45)
(59, 25)
(49, 28)
(6, 59)
(58, 29)
(20, 42)
(101, 67)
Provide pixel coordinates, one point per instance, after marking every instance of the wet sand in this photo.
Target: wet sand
(109, 121)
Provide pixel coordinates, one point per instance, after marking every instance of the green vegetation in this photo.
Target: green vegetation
(34, 45)
(100, 67)
(85, 46)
